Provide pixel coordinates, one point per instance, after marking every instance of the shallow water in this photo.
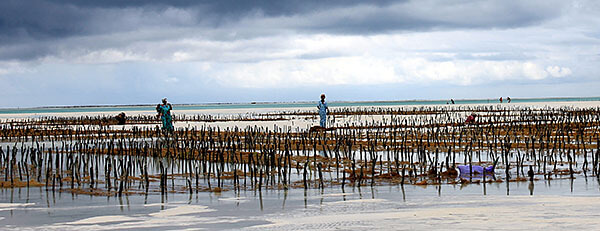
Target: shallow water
(554, 205)
(280, 105)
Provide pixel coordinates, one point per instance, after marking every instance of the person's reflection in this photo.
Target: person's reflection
(531, 174)
(531, 186)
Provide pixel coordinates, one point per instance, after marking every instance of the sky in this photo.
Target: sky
(112, 52)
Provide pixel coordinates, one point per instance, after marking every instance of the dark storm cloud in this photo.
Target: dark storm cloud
(431, 15)
(37, 28)
(270, 7)
(23, 20)
(49, 19)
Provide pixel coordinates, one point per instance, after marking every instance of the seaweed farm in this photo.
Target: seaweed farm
(364, 149)
(372, 146)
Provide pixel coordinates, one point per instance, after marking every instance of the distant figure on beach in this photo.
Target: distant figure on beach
(121, 118)
(508, 99)
(452, 100)
(322, 106)
(500, 99)
(164, 111)
(471, 118)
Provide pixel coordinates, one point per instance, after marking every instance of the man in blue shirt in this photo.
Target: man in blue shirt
(322, 106)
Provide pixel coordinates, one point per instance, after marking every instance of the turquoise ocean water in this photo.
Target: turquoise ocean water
(279, 105)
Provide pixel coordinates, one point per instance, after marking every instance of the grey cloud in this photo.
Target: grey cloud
(38, 28)
(47, 19)
(269, 7)
(26, 20)
(23, 52)
(57, 18)
(430, 15)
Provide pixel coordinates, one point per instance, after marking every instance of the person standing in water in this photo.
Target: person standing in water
(322, 106)
(164, 111)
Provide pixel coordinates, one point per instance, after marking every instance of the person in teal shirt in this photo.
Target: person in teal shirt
(322, 106)
(164, 111)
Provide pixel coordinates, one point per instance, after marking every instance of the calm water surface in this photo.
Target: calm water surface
(331, 208)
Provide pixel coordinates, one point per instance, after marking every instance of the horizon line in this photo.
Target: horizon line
(287, 102)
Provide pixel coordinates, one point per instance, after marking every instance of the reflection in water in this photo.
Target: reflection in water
(163, 201)
(372, 192)
(321, 201)
(293, 201)
(121, 203)
(261, 200)
(571, 183)
(403, 193)
(285, 193)
(305, 198)
(484, 188)
(531, 186)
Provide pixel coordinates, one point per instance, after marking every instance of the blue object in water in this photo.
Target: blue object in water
(464, 169)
